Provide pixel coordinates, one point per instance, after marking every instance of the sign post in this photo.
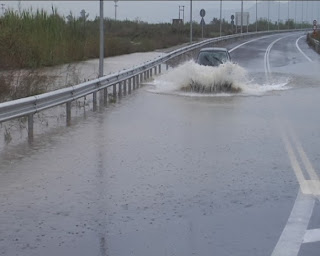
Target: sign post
(232, 22)
(202, 23)
(242, 19)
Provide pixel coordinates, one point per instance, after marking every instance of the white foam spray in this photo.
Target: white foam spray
(211, 80)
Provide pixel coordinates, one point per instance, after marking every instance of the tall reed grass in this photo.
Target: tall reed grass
(37, 38)
(31, 39)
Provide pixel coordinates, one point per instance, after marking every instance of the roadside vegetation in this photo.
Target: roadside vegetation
(31, 39)
(316, 36)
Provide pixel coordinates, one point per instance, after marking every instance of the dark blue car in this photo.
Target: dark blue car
(213, 56)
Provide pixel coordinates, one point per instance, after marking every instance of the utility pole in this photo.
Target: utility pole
(268, 15)
(115, 9)
(288, 16)
(279, 16)
(256, 15)
(295, 15)
(312, 8)
(183, 14)
(181, 9)
(302, 15)
(307, 12)
(101, 41)
(318, 11)
(190, 21)
(220, 17)
(241, 18)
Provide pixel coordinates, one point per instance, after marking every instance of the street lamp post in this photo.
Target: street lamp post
(241, 18)
(190, 21)
(295, 15)
(268, 15)
(302, 15)
(318, 12)
(256, 15)
(101, 40)
(307, 12)
(279, 16)
(115, 9)
(288, 16)
(220, 17)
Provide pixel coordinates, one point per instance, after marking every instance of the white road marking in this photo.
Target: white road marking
(267, 68)
(301, 50)
(238, 46)
(311, 236)
(295, 232)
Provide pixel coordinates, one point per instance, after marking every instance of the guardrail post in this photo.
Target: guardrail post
(120, 89)
(167, 66)
(144, 75)
(137, 81)
(155, 70)
(160, 69)
(134, 81)
(68, 113)
(114, 93)
(94, 95)
(129, 84)
(30, 127)
(151, 72)
(125, 87)
(105, 95)
(148, 74)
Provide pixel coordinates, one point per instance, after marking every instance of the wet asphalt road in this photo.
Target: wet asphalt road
(161, 175)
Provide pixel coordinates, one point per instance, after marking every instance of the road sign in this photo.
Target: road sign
(314, 22)
(202, 13)
(245, 18)
(232, 17)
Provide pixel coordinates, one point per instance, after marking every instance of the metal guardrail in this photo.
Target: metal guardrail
(31, 105)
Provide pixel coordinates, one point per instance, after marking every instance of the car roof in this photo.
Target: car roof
(213, 49)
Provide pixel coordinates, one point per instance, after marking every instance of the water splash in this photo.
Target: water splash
(193, 79)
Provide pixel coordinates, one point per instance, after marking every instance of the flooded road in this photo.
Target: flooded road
(175, 173)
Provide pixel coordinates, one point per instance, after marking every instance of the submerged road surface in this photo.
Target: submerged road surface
(167, 174)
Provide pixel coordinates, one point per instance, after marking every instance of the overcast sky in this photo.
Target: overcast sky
(165, 11)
